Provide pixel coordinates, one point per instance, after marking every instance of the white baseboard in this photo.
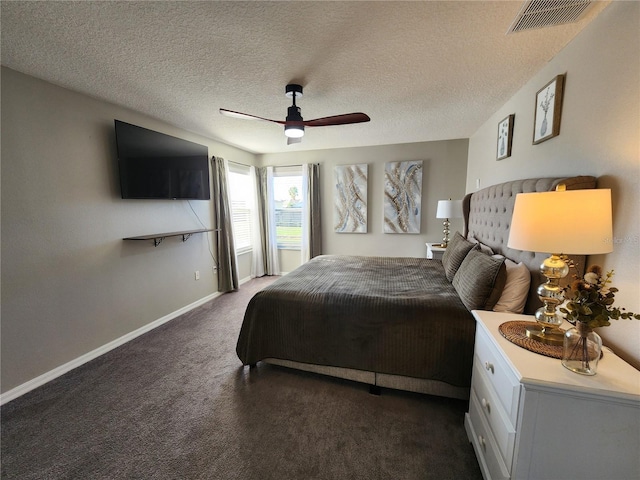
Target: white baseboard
(62, 369)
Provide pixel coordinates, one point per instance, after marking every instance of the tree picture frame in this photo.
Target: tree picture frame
(548, 110)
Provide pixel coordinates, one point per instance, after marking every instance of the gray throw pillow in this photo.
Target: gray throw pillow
(480, 280)
(454, 254)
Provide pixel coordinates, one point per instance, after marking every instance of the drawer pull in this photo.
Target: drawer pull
(482, 442)
(489, 366)
(486, 405)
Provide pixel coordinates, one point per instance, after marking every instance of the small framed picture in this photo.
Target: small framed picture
(505, 137)
(548, 110)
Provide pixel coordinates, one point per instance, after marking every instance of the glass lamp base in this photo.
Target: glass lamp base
(551, 294)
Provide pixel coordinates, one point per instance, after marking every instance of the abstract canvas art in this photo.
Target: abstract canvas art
(350, 212)
(402, 197)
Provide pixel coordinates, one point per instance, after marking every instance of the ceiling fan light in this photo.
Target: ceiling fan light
(294, 131)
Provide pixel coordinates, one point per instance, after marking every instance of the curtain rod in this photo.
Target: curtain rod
(238, 163)
(276, 166)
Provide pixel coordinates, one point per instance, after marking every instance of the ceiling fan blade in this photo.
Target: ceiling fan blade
(292, 140)
(344, 119)
(246, 116)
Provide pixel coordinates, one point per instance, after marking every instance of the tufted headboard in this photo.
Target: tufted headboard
(487, 217)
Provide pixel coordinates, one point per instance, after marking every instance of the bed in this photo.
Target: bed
(397, 322)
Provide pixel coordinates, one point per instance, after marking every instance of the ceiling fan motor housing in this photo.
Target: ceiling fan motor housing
(294, 127)
(293, 114)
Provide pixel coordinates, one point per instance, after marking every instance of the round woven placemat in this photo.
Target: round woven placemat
(515, 332)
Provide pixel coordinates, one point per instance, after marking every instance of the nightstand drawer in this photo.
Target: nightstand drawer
(500, 377)
(485, 444)
(494, 414)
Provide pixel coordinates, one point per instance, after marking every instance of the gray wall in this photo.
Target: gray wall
(443, 177)
(70, 284)
(599, 135)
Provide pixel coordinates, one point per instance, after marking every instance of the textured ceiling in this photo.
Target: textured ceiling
(421, 70)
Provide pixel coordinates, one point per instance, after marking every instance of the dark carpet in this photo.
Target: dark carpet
(176, 403)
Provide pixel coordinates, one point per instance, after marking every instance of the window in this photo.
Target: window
(287, 197)
(241, 195)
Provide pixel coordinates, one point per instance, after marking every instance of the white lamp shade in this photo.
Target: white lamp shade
(449, 209)
(567, 222)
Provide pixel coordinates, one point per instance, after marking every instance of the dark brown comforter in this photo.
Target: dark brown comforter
(382, 314)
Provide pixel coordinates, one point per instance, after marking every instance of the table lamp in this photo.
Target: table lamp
(562, 222)
(448, 209)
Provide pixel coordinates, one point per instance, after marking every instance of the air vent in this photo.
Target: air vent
(547, 13)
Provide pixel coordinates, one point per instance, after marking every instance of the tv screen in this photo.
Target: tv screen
(155, 165)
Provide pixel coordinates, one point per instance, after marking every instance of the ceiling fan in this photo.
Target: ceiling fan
(294, 123)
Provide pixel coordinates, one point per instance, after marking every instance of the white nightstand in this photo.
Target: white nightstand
(434, 251)
(531, 418)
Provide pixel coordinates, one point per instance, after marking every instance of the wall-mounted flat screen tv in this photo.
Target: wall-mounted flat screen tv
(157, 166)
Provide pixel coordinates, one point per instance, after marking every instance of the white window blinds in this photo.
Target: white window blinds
(241, 198)
(287, 183)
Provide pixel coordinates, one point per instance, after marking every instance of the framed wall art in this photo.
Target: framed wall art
(505, 137)
(402, 197)
(548, 110)
(350, 204)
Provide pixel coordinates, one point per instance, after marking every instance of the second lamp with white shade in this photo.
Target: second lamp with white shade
(448, 209)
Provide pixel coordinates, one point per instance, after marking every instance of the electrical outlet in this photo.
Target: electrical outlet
(197, 274)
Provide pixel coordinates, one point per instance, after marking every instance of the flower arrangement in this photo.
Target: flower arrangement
(591, 298)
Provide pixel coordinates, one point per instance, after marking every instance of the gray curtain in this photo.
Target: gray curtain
(258, 258)
(267, 262)
(227, 267)
(272, 258)
(311, 225)
(268, 239)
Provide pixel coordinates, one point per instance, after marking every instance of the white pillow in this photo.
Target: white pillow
(516, 290)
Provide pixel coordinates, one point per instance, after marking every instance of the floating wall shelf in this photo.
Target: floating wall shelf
(159, 237)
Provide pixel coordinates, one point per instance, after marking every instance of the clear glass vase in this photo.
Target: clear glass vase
(581, 349)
